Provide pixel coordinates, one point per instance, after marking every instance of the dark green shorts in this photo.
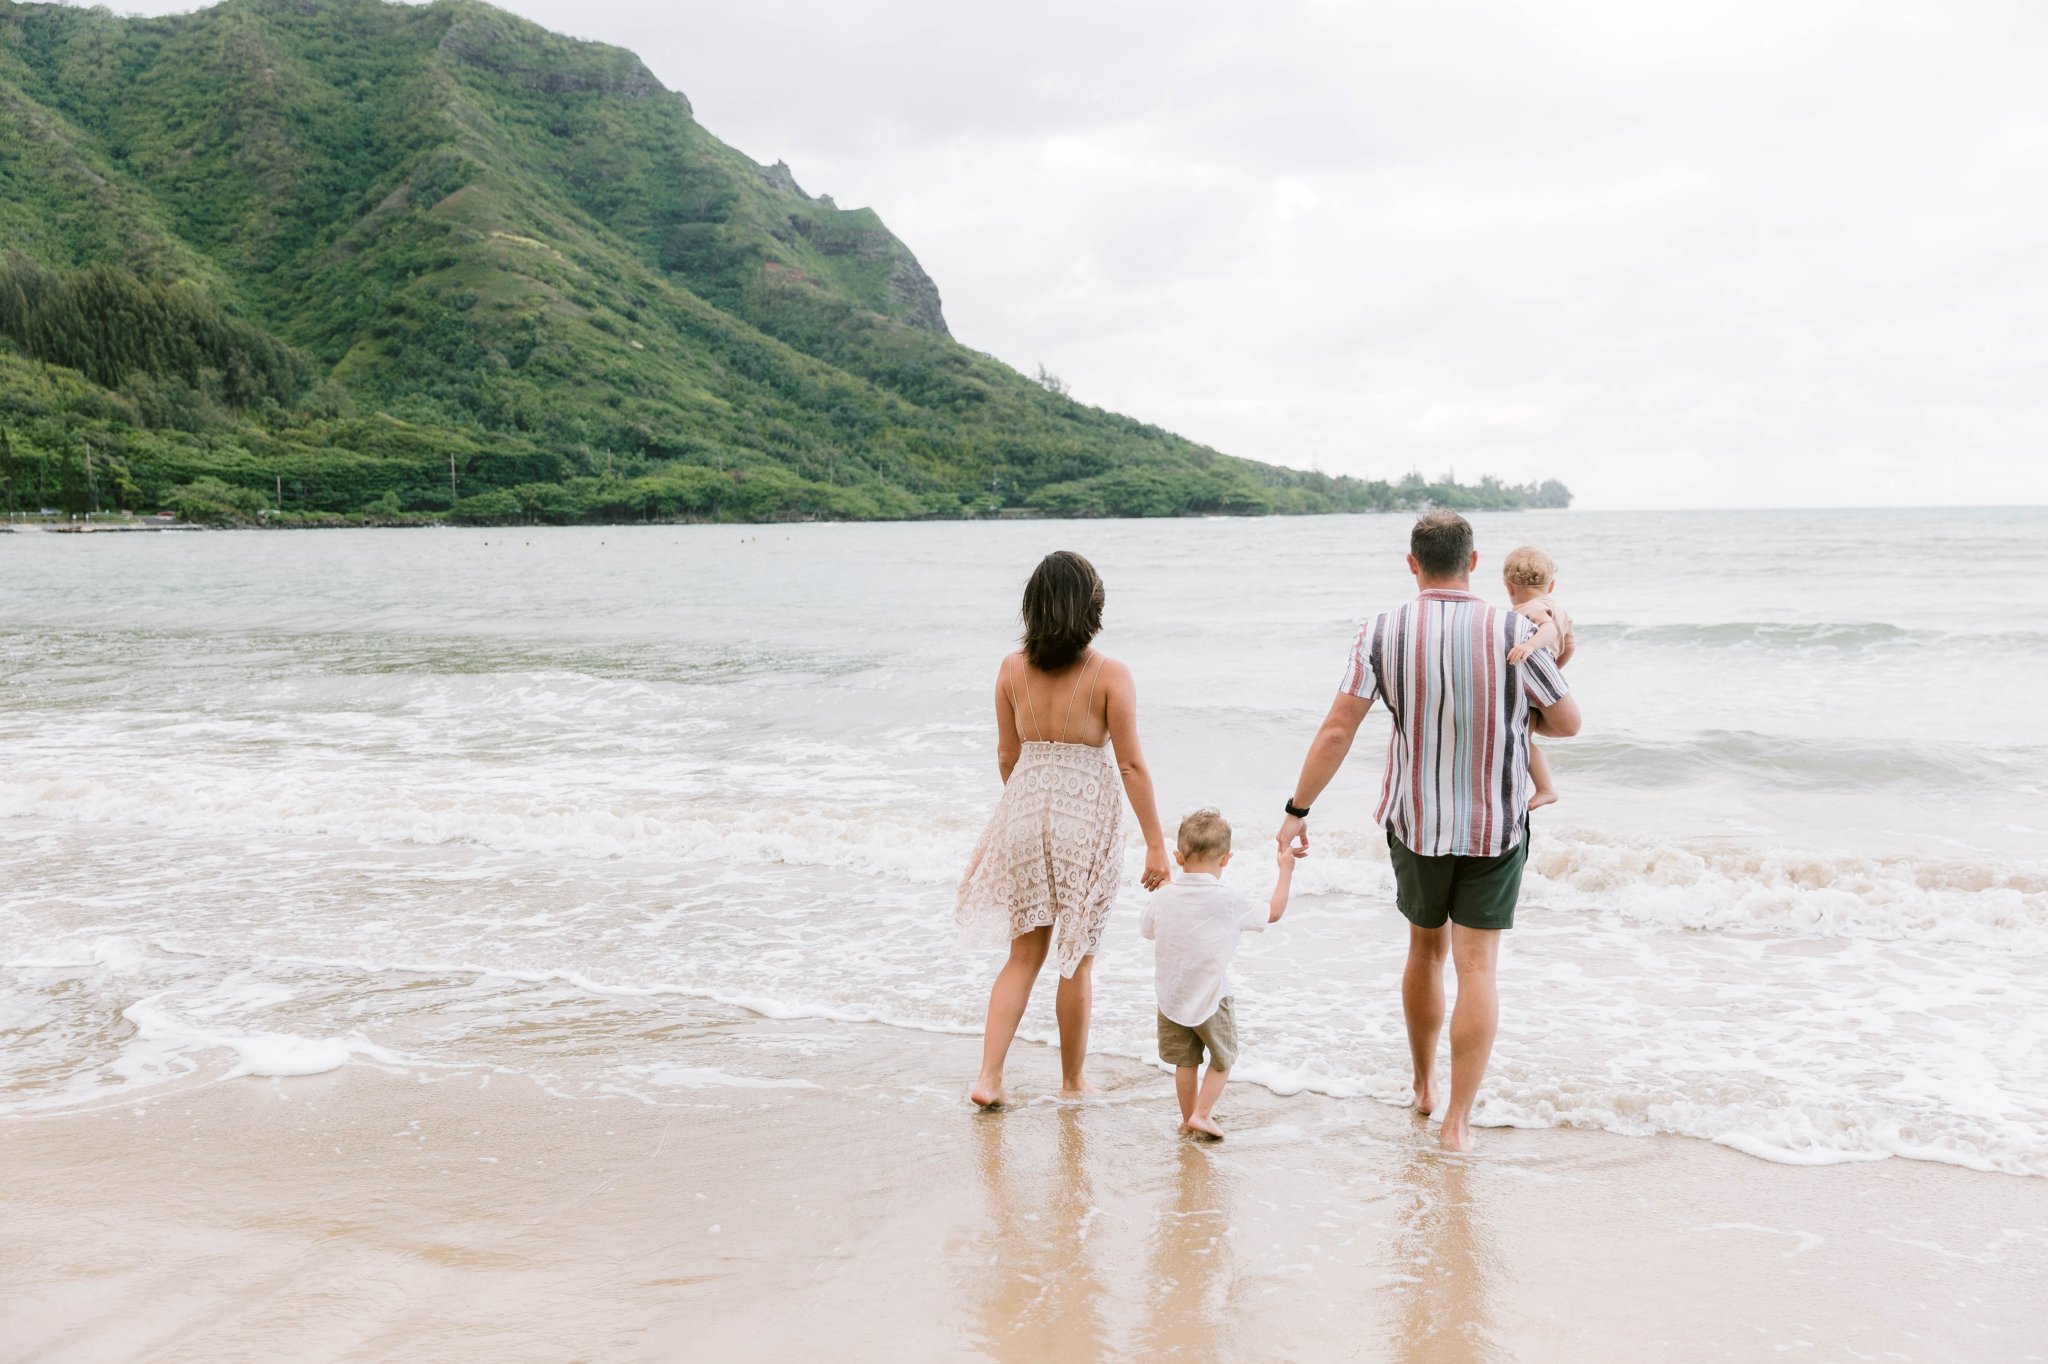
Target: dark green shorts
(1473, 892)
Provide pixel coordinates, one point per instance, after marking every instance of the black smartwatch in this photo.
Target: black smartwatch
(1298, 811)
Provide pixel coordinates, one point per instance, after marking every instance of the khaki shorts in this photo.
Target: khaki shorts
(1180, 1045)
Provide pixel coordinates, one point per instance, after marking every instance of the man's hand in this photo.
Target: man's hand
(1156, 873)
(1293, 831)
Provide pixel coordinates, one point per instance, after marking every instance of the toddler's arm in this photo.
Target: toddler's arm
(1148, 922)
(1546, 636)
(1278, 905)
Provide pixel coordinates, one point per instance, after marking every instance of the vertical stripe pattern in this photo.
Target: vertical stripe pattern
(1457, 778)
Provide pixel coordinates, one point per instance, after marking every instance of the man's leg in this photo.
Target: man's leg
(1422, 1003)
(1475, 952)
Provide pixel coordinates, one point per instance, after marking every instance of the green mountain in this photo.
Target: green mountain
(396, 261)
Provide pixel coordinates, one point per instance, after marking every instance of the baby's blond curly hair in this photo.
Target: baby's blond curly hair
(1528, 566)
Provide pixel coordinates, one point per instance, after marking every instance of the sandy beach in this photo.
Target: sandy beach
(776, 1206)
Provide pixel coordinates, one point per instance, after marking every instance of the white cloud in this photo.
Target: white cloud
(1754, 253)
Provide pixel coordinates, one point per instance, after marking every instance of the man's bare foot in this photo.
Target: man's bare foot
(1077, 1091)
(1202, 1125)
(1425, 1097)
(1456, 1136)
(986, 1094)
(1544, 796)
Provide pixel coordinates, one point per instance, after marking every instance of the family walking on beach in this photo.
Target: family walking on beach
(1467, 686)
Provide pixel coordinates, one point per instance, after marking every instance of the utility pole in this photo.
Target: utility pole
(451, 480)
(90, 481)
(280, 494)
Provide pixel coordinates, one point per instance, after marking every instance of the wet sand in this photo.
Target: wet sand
(369, 1214)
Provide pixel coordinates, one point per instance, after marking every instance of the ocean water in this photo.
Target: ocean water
(436, 801)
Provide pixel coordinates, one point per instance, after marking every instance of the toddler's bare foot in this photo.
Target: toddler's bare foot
(1544, 796)
(1202, 1125)
(986, 1093)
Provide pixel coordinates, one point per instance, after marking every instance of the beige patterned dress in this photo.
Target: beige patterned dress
(1053, 852)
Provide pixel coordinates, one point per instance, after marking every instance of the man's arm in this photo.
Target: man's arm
(1326, 753)
(1559, 719)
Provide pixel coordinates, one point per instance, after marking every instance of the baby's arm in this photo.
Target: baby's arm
(1546, 636)
(1278, 905)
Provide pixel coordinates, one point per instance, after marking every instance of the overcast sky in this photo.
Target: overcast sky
(1778, 253)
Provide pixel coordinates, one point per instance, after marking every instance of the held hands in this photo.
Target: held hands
(1293, 837)
(1156, 872)
(1287, 856)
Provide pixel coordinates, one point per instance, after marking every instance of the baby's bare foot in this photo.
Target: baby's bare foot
(1544, 796)
(1202, 1125)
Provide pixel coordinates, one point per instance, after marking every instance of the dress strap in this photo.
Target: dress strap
(1024, 681)
(1080, 685)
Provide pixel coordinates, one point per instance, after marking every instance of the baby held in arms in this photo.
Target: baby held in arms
(1197, 920)
(1531, 577)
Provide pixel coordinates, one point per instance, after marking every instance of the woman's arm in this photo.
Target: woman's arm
(1120, 691)
(1008, 744)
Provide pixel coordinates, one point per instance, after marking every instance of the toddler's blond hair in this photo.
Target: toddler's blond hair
(1203, 835)
(1528, 566)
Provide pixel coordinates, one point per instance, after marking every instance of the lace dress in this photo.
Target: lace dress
(1052, 852)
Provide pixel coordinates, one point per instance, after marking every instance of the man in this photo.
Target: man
(1455, 797)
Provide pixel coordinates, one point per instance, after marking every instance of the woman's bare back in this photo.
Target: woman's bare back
(1069, 706)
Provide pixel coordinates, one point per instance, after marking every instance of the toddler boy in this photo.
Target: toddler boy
(1196, 921)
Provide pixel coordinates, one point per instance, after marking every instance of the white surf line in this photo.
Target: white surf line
(1807, 1240)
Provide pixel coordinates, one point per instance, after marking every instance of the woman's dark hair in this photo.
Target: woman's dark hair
(1062, 610)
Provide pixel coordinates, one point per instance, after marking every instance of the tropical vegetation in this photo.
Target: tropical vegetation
(324, 261)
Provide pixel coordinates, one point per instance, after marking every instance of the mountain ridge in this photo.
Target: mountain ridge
(489, 249)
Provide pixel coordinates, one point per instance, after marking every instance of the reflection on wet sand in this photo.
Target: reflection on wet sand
(1443, 1245)
(1040, 1294)
(1191, 1270)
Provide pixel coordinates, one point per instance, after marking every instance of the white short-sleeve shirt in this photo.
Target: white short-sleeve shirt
(1196, 920)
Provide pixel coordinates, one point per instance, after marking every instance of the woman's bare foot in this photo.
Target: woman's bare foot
(1202, 1125)
(1456, 1136)
(1425, 1096)
(986, 1093)
(1545, 795)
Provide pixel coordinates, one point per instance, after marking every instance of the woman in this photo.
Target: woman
(1047, 868)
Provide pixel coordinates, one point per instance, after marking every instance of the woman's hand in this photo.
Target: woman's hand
(1156, 872)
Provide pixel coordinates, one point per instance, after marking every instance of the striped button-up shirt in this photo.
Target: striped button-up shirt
(1457, 779)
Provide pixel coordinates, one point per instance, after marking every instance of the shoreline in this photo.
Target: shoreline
(427, 522)
(376, 1211)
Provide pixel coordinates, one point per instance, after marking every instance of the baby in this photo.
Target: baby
(1531, 577)
(1196, 921)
